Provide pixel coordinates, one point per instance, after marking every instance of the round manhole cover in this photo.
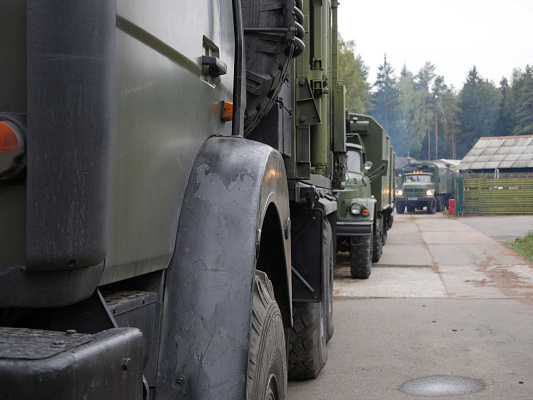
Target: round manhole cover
(441, 385)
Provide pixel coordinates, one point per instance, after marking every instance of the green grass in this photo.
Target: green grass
(523, 246)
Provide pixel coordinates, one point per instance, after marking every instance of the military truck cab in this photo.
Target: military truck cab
(424, 184)
(365, 203)
(356, 213)
(419, 190)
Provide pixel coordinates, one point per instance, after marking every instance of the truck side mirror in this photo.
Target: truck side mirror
(368, 166)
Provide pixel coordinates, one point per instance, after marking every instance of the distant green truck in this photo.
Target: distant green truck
(424, 184)
(365, 205)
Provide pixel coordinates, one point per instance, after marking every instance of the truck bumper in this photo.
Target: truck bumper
(36, 364)
(346, 228)
(416, 201)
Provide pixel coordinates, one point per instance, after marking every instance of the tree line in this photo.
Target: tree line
(429, 119)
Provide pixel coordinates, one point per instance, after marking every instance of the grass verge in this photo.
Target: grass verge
(524, 246)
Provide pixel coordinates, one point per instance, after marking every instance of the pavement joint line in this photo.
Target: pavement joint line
(344, 297)
(435, 265)
(402, 266)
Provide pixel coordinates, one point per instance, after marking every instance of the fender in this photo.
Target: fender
(208, 290)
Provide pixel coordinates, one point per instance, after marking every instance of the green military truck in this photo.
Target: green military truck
(366, 203)
(424, 184)
(167, 215)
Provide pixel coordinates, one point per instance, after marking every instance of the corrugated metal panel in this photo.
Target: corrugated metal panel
(500, 152)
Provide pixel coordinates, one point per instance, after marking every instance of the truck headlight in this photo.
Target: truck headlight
(399, 192)
(355, 209)
(429, 192)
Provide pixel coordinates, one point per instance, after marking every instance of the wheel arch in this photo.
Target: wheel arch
(271, 259)
(236, 195)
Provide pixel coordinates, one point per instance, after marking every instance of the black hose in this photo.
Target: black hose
(237, 129)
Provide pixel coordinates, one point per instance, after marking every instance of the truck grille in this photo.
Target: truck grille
(414, 191)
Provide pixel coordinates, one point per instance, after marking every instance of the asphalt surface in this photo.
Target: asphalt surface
(447, 299)
(503, 229)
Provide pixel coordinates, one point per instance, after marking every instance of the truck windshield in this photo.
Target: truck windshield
(354, 161)
(418, 178)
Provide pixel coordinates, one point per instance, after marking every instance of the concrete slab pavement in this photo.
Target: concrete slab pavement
(379, 344)
(470, 255)
(444, 299)
(420, 260)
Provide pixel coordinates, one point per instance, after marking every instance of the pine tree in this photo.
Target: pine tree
(411, 117)
(385, 99)
(423, 82)
(425, 76)
(504, 125)
(524, 103)
(478, 103)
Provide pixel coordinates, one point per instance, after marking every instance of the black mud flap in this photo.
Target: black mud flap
(47, 365)
(306, 253)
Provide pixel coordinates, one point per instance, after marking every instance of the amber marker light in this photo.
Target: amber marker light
(365, 212)
(226, 111)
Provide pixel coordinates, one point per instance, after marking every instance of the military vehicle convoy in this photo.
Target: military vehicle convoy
(425, 184)
(166, 197)
(365, 205)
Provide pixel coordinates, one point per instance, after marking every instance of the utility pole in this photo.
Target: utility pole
(453, 139)
(436, 127)
(429, 130)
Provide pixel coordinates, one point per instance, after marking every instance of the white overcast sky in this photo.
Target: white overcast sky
(454, 35)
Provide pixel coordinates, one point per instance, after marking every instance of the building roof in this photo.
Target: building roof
(499, 152)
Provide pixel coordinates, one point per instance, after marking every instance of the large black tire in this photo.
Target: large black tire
(307, 340)
(329, 263)
(267, 362)
(432, 206)
(268, 58)
(400, 208)
(377, 242)
(361, 256)
(440, 204)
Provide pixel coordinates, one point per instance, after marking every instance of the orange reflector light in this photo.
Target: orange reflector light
(365, 212)
(12, 150)
(8, 138)
(226, 111)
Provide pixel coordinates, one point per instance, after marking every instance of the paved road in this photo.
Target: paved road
(445, 299)
(504, 229)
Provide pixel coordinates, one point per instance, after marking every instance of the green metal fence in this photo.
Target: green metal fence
(459, 203)
(497, 196)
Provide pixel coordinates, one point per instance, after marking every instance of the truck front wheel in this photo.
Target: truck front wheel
(400, 208)
(267, 362)
(377, 245)
(361, 256)
(440, 204)
(432, 206)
